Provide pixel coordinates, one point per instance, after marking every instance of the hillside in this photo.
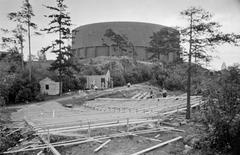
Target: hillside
(122, 69)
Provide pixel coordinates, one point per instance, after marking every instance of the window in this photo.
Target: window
(47, 86)
(102, 80)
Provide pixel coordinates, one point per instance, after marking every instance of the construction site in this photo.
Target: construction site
(121, 120)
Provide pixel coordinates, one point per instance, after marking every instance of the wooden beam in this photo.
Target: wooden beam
(81, 141)
(157, 146)
(100, 147)
(54, 151)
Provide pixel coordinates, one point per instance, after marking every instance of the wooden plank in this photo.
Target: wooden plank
(13, 132)
(54, 151)
(100, 147)
(157, 146)
(81, 141)
(152, 139)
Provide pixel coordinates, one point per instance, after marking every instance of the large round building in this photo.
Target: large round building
(90, 40)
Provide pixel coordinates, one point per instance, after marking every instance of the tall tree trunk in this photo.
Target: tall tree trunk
(22, 61)
(188, 113)
(60, 51)
(29, 45)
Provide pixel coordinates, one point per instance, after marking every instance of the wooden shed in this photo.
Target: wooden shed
(49, 87)
(99, 81)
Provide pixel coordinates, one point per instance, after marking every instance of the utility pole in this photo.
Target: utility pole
(188, 112)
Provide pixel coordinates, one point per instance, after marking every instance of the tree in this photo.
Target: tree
(163, 42)
(224, 66)
(14, 40)
(119, 42)
(201, 36)
(60, 23)
(10, 63)
(24, 18)
(221, 112)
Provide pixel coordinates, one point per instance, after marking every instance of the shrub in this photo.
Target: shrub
(221, 112)
(118, 80)
(23, 90)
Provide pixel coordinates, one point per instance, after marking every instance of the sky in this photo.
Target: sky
(163, 12)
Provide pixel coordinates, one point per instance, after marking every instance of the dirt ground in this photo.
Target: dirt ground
(131, 144)
(52, 114)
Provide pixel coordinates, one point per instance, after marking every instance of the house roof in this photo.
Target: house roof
(99, 74)
(46, 80)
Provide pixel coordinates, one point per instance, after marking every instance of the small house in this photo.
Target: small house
(49, 87)
(99, 81)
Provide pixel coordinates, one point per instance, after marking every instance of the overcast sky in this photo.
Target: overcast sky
(163, 12)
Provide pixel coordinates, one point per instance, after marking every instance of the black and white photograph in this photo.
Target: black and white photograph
(120, 77)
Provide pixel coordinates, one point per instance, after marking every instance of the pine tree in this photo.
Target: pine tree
(13, 41)
(119, 42)
(201, 36)
(163, 42)
(23, 18)
(60, 23)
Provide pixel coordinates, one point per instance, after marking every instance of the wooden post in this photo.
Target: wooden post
(48, 138)
(89, 130)
(53, 113)
(127, 124)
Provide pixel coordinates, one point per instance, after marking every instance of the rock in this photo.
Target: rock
(187, 149)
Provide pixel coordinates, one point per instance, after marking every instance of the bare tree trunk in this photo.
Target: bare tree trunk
(29, 45)
(188, 112)
(60, 51)
(22, 61)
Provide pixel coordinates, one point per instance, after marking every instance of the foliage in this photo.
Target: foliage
(73, 83)
(119, 42)
(173, 77)
(23, 90)
(201, 36)
(7, 142)
(82, 82)
(9, 68)
(23, 18)
(60, 23)
(15, 87)
(163, 42)
(221, 112)
(118, 80)
(203, 33)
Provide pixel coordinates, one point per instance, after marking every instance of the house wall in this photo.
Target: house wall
(53, 87)
(96, 80)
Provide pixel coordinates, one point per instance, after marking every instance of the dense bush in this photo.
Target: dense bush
(118, 80)
(174, 77)
(222, 112)
(22, 90)
(73, 84)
